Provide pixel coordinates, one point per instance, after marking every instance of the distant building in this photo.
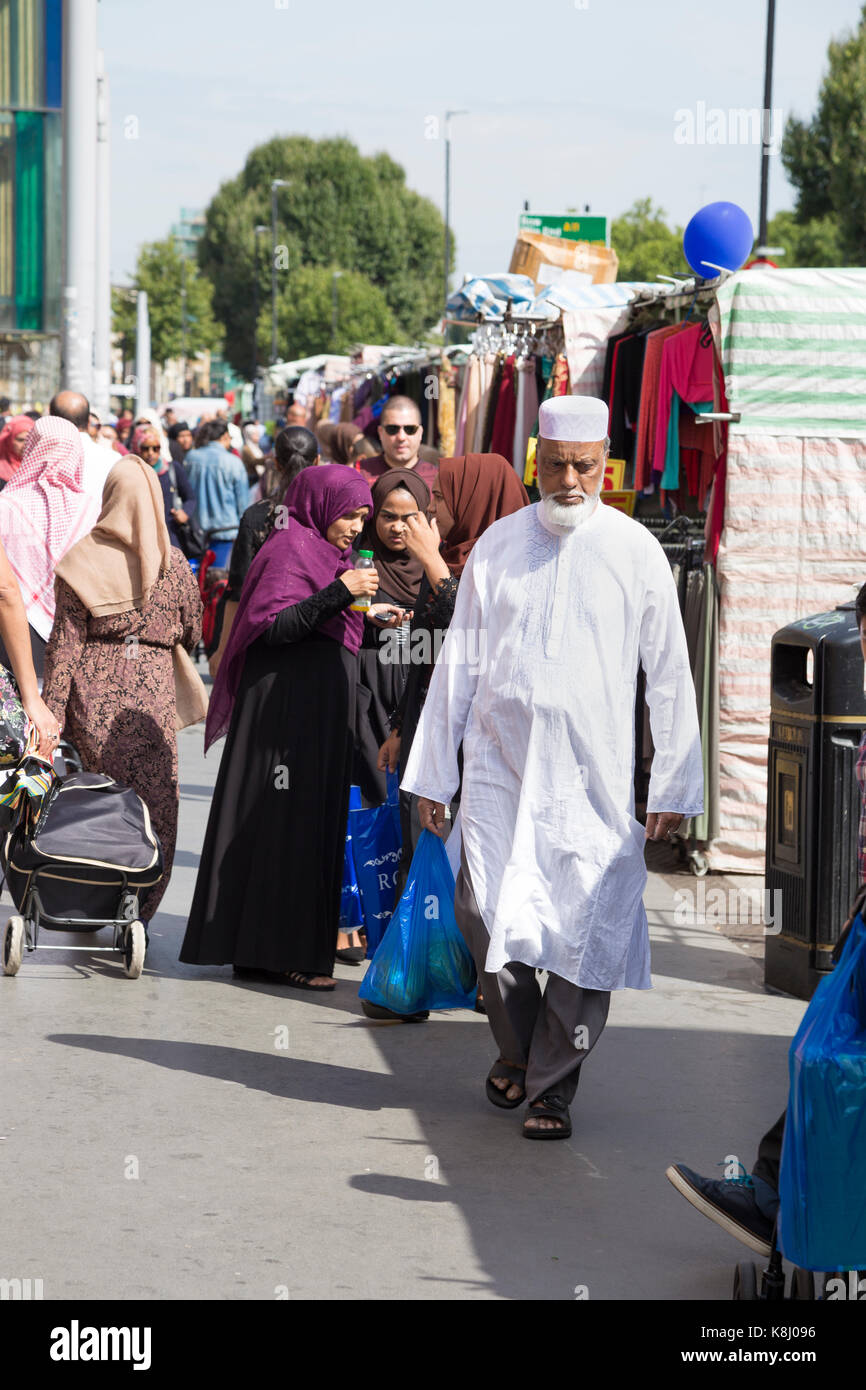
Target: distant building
(188, 231)
(31, 186)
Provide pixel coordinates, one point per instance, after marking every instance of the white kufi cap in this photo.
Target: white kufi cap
(574, 419)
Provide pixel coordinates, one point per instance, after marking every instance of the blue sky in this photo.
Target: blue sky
(570, 101)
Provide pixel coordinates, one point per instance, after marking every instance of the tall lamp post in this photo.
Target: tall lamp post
(257, 232)
(334, 305)
(275, 184)
(765, 122)
(447, 266)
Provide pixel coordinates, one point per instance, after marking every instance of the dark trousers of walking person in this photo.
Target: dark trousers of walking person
(552, 1032)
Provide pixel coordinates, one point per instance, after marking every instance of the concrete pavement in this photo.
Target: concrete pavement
(160, 1141)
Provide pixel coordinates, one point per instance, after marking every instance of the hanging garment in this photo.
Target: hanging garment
(446, 410)
(492, 404)
(527, 413)
(460, 441)
(625, 396)
(486, 375)
(648, 402)
(686, 367)
(502, 438)
(586, 333)
(544, 375)
(474, 369)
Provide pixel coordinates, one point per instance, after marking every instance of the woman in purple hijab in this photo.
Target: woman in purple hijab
(267, 897)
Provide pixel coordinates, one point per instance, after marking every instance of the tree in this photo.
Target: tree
(646, 245)
(825, 158)
(305, 314)
(340, 209)
(160, 271)
(815, 242)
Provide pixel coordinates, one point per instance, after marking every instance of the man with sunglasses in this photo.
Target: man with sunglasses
(400, 436)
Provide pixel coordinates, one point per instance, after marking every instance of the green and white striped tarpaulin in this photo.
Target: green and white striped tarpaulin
(794, 351)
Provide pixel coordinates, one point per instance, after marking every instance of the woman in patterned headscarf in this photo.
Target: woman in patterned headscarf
(44, 510)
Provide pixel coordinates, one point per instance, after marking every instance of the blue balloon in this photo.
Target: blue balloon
(719, 234)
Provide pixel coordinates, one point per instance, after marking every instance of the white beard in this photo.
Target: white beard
(565, 516)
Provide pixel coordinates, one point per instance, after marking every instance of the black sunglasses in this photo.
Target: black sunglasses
(395, 429)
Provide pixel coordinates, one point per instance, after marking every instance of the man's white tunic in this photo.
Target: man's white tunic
(537, 678)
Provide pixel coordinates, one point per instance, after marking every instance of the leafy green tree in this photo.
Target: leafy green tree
(815, 242)
(646, 245)
(825, 158)
(160, 272)
(305, 313)
(339, 209)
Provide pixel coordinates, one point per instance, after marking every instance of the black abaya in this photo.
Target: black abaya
(380, 688)
(268, 889)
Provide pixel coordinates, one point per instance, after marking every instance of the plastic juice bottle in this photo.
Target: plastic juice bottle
(363, 601)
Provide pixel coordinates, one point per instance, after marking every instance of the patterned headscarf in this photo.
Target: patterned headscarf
(44, 510)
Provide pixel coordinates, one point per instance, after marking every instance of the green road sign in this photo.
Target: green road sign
(571, 226)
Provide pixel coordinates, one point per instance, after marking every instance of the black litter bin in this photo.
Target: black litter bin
(818, 713)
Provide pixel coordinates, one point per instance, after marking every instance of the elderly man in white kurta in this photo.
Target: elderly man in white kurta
(558, 606)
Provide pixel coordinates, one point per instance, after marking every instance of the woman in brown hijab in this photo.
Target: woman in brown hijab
(125, 596)
(398, 496)
(339, 443)
(469, 494)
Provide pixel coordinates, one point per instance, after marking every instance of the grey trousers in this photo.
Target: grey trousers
(550, 1033)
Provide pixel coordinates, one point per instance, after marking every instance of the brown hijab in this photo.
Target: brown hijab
(477, 489)
(343, 444)
(114, 568)
(399, 572)
(324, 432)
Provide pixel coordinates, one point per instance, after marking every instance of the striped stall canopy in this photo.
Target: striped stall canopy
(794, 351)
(794, 348)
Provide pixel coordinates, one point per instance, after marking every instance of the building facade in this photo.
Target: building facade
(31, 225)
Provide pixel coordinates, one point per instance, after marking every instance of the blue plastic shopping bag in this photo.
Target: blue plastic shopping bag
(423, 961)
(376, 845)
(351, 914)
(822, 1185)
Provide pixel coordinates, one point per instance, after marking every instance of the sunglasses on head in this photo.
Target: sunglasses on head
(395, 429)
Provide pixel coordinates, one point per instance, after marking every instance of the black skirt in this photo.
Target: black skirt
(269, 882)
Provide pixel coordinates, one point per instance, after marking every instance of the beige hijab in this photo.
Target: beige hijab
(114, 568)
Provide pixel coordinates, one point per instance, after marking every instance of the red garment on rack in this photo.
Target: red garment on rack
(687, 368)
(502, 439)
(649, 401)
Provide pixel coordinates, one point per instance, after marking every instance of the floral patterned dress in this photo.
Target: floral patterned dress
(110, 682)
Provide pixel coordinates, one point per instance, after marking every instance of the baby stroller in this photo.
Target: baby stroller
(93, 850)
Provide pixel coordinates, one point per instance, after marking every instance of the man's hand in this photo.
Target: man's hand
(660, 823)
(389, 753)
(431, 814)
(180, 515)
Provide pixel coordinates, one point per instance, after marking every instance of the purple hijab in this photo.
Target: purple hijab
(295, 561)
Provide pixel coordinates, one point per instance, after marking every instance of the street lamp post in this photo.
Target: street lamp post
(257, 231)
(275, 184)
(334, 306)
(183, 320)
(447, 266)
(765, 126)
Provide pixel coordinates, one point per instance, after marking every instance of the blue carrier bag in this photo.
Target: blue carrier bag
(422, 961)
(351, 915)
(822, 1185)
(376, 843)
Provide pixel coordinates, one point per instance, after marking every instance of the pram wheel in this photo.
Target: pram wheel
(746, 1282)
(802, 1285)
(133, 946)
(13, 945)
